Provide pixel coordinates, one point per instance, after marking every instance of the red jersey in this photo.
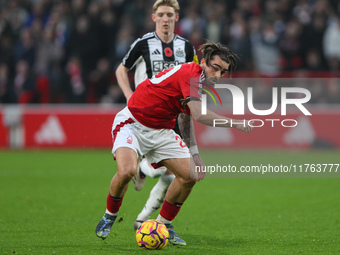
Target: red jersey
(157, 102)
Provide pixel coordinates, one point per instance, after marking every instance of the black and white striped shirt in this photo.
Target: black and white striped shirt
(151, 55)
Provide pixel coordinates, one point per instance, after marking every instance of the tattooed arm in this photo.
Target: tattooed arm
(186, 127)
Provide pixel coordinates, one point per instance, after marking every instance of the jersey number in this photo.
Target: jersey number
(183, 145)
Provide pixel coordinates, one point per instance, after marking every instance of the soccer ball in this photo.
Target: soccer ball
(152, 235)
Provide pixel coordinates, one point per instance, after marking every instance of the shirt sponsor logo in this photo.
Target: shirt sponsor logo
(159, 65)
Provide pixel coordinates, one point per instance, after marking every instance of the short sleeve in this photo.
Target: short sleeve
(191, 53)
(190, 86)
(133, 54)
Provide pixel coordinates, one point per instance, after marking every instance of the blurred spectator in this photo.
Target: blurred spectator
(78, 8)
(25, 48)
(5, 96)
(332, 42)
(16, 15)
(49, 53)
(136, 10)
(248, 8)
(312, 42)
(314, 61)
(76, 89)
(124, 40)
(99, 81)
(6, 49)
(303, 11)
(84, 43)
(60, 22)
(322, 7)
(148, 24)
(191, 20)
(215, 19)
(108, 30)
(24, 83)
(38, 14)
(265, 50)
(48, 62)
(196, 38)
(239, 41)
(291, 47)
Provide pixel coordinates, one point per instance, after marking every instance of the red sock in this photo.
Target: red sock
(169, 211)
(113, 203)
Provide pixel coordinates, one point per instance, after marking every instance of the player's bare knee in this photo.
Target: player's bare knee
(126, 172)
(187, 182)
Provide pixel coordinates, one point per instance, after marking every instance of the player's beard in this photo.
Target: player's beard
(209, 81)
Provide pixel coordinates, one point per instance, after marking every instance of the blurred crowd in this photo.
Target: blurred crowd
(66, 51)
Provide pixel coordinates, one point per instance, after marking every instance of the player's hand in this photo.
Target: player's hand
(246, 128)
(200, 166)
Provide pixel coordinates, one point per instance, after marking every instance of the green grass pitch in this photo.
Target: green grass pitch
(52, 200)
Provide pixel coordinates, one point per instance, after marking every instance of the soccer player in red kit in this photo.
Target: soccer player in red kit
(149, 55)
(144, 127)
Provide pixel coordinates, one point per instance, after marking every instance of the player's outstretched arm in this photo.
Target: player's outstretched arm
(123, 80)
(210, 118)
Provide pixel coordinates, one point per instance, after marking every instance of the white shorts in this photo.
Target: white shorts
(155, 144)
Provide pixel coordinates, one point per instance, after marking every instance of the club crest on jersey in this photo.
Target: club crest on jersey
(168, 52)
(129, 139)
(179, 53)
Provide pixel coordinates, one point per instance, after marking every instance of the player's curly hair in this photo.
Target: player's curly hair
(172, 3)
(210, 49)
